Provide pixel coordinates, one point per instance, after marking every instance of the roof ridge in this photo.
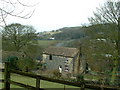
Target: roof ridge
(61, 51)
(63, 47)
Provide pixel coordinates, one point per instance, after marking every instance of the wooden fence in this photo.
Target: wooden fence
(7, 81)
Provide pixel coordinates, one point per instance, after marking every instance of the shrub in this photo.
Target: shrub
(57, 74)
(13, 62)
(68, 75)
(80, 78)
(26, 64)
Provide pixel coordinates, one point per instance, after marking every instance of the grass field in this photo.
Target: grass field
(47, 42)
(32, 82)
(43, 84)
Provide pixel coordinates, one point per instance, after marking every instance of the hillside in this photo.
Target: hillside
(69, 33)
(66, 33)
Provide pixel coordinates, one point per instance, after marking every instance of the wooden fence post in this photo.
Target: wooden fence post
(37, 83)
(82, 87)
(7, 76)
(64, 86)
(83, 84)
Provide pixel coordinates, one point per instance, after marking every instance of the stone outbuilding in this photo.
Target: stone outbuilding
(61, 57)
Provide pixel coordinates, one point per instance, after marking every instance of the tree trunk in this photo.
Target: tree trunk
(113, 78)
(116, 68)
(119, 48)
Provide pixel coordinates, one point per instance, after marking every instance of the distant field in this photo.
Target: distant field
(47, 42)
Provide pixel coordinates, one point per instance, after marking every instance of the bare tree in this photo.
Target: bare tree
(18, 35)
(110, 13)
(14, 8)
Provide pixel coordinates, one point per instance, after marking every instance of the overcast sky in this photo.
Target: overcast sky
(54, 14)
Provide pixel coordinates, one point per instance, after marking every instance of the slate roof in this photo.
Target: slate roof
(61, 51)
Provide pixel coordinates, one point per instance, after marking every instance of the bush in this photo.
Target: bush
(80, 78)
(68, 75)
(57, 74)
(26, 64)
(13, 62)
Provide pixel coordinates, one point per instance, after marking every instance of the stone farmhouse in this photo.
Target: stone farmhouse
(61, 57)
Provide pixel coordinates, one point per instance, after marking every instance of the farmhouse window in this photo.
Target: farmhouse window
(50, 57)
(66, 61)
(66, 68)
